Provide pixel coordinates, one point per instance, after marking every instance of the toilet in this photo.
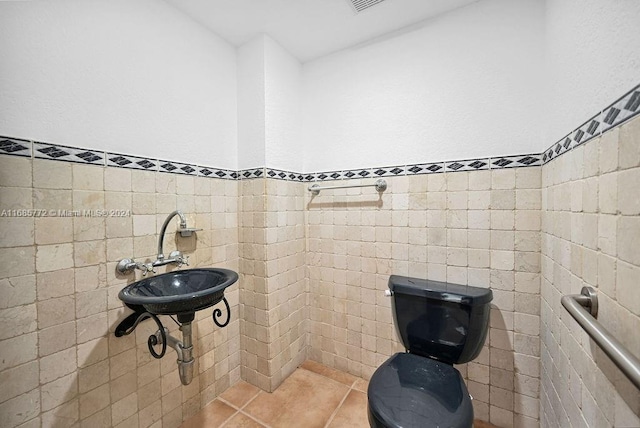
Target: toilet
(440, 324)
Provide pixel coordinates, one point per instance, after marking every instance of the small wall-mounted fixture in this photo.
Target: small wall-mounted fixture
(380, 185)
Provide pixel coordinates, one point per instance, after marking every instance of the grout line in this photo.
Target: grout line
(335, 412)
(251, 399)
(254, 418)
(327, 377)
(243, 412)
(228, 403)
(239, 410)
(228, 419)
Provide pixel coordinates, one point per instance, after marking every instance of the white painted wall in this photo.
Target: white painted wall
(464, 85)
(493, 78)
(268, 106)
(593, 57)
(251, 104)
(135, 77)
(283, 74)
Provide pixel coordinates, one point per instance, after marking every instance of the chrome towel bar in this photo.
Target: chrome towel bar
(380, 185)
(577, 305)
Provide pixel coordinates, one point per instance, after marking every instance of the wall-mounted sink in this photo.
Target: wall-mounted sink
(179, 292)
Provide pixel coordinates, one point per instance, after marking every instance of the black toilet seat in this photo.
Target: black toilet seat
(410, 391)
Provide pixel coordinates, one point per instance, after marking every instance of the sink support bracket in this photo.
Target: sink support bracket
(162, 337)
(218, 313)
(129, 324)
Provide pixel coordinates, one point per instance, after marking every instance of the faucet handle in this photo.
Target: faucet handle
(179, 259)
(128, 265)
(182, 260)
(145, 268)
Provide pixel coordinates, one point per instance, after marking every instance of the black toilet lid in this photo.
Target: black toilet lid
(412, 391)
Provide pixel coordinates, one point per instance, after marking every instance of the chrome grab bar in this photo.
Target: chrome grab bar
(577, 305)
(380, 185)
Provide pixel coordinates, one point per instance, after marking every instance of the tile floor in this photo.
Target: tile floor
(313, 396)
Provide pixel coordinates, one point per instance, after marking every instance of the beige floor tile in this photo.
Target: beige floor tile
(211, 416)
(325, 371)
(307, 398)
(242, 421)
(304, 399)
(361, 385)
(240, 393)
(352, 413)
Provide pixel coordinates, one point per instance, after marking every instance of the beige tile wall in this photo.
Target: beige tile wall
(590, 235)
(479, 228)
(273, 297)
(60, 363)
(253, 287)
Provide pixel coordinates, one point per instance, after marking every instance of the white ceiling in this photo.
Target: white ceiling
(309, 29)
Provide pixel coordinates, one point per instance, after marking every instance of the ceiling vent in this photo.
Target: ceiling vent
(360, 5)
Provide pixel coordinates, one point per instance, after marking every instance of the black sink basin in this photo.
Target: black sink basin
(179, 292)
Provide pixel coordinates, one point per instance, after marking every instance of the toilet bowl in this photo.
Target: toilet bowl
(440, 324)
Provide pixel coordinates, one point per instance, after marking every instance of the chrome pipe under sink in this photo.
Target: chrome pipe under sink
(183, 348)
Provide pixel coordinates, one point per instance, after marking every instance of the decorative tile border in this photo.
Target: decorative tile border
(205, 171)
(329, 175)
(389, 171)
(296, 176)
(623, 109)
(67, 154)
(425, 168)
(518, 161)
(560, 147)
(277, 174)
(358, 173)
(177, 168)
(588, 130)
(467, 165)
(132, 162)
(246, 174)
(15, 147)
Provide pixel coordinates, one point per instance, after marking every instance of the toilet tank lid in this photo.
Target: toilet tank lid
(445, 291)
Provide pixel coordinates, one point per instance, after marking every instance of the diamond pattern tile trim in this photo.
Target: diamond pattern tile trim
(425, 168)
(288, 175)
(330, 175)
(177, 168)
(225, 174)
(586, 131)
(15, 147)
(558, 148)
(467, 165)
(132, 162)
(516, 161)
(622, 110)
(67, 154)
(251, 173)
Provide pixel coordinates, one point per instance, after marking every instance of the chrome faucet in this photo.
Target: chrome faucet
(127, 265)
(175, 257)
